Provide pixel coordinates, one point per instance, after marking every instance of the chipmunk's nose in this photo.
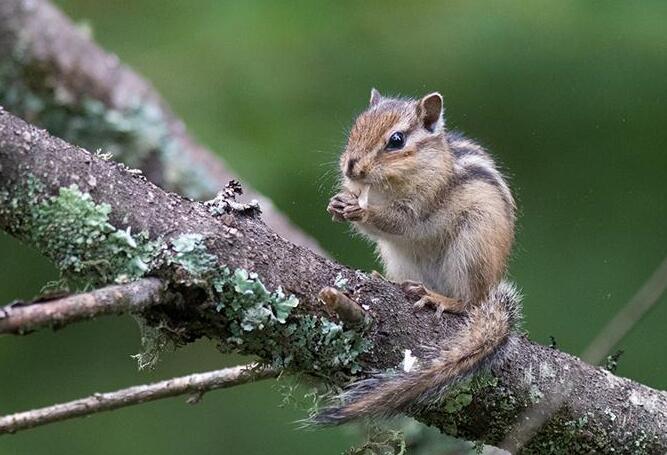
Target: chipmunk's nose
(351, 171)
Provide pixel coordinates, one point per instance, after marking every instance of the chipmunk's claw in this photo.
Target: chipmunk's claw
(414, 289)
(354, 213)
(336, 207)
(420, 304)
(344, 206)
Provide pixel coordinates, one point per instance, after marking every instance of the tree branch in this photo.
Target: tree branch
(53, 75)
(596, 351)
(194, 245)
(132, 297)
(99, 402)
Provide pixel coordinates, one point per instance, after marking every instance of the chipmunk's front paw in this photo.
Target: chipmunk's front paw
(337, 205)
(345, 207)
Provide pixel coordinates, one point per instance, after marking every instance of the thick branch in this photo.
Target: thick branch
(119, 299)
(603, 413)
(600, 347)
(192, 384)
(53, 75)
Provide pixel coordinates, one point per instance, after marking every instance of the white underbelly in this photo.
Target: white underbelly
(410, 262)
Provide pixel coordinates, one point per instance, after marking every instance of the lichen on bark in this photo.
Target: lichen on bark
(258, 320)
(242, 241)
(75, 232)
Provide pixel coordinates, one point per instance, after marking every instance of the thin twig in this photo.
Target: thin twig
(629, 315)
(533, 419)
(117, 299)
(195, 383)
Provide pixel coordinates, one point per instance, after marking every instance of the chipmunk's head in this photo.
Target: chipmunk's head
(395, 141)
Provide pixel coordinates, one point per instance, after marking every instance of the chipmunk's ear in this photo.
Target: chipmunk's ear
(376, 97)
(430, 111)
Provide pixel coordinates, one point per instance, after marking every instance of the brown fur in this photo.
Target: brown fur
(493, 233)
(441, 214)
(480, 342)
(488, 327)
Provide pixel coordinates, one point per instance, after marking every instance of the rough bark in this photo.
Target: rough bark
(602, 411)
(53, 75)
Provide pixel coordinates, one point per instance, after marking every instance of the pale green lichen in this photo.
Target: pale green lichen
(75, 232)
(340, 282)
(491, 399)
(154, 341)
(406, 436)
(381, 441)
(190, 252)
(259, 307)
(498, 407)
(611, 362)
(460, 397)
(257, 319)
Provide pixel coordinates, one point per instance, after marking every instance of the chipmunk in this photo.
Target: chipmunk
(442, 217)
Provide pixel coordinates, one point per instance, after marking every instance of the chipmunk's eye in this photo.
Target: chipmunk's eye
(396, 141)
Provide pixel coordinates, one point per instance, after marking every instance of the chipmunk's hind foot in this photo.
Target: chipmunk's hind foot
(427, 298)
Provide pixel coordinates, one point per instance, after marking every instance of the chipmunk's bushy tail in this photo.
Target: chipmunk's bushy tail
(480, 343)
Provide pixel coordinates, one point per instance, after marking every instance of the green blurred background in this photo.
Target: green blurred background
(571, 96)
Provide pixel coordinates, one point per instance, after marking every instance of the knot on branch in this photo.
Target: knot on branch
(225, 202)
(347, 309)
